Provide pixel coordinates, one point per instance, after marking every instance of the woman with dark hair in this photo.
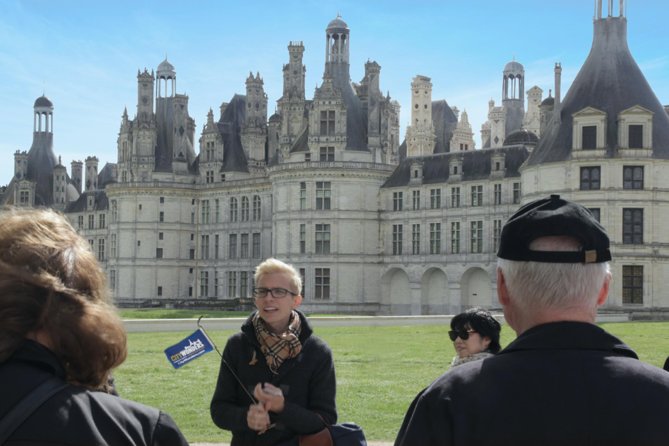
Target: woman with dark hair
(57, 325)
(475, 335)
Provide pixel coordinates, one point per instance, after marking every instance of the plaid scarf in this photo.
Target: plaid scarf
(278, 348)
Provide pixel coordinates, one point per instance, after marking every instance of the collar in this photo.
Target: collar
(37, 355)
(305, 328)
(569, 336)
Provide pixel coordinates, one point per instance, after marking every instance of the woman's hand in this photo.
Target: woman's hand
(257, 418)
(269, 396)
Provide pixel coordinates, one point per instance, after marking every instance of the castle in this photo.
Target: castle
(373, 224)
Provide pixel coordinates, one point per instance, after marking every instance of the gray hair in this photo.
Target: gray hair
(553, 285)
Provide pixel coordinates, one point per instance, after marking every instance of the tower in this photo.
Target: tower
(420, 134)
(463, 137)
(91, 173)
(254, 130)
(59, 186)
(513, 99)
(532, 121)
(337, 51)
(76, 170)
(144, 96)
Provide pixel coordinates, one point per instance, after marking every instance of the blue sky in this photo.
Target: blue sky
(85, 55)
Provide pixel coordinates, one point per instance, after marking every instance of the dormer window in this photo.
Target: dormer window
(635, 128)
(589, 129)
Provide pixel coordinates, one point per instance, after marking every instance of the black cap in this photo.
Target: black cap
(554, 217)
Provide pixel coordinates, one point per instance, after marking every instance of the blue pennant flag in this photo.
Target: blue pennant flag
(190, 348)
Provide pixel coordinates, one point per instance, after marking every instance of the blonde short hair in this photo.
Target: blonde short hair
(272, 265)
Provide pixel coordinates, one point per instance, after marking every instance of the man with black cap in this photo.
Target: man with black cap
(563, 380)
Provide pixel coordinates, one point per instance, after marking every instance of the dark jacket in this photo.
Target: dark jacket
(556, 384)
(76, 415)
(307, 381)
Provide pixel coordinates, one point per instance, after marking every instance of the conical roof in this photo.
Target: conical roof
(610, 81)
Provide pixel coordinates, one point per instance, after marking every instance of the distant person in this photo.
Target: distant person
(57, 325)
(475, 336)
(278, 361)
(564, 380)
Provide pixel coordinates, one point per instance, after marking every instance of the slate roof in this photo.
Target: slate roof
(611, 81)
(476, 165)
(100, 202)
(41, 161)
(229, 126)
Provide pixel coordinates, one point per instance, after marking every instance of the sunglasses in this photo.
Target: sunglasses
(464, 334)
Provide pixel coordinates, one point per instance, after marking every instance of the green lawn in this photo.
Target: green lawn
(379, 371)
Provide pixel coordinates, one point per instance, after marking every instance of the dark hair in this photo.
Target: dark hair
(482, 322)
(50, 281)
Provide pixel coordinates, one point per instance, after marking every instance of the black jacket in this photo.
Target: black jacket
(75, 415)
(556, 384)
(307, 381)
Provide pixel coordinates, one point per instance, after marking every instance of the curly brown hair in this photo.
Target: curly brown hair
(50, 282)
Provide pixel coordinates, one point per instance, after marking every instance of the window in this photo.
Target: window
(24, 198)
(232, 246)
(397, 201)
(633, 177)
(307, 157)
(516, 193)
(415, 199)
(477, 195)
(232, 284)
(476, 236)
(633, 226)
(635, 136)
(159, 253)
(243, 283)
(255, 250)
(192, 218)
(632, 284)
(595, 213)
(303, 238)
(397, 239)
(215, 283)
(216, 245)
(101, 221)
(112, 248)
(245, 209)
(256, 208)
(217, 210)
(244, 246)
(191, 254)
(435, 238)
(455, 237)
(496, 233)
(162, 199)
(160, 236)
(327, 154)
(415, 239)
(233, 209)
(161, 216)
(589, 137)
(303, 276)
(204, 247)
(209, 176)
(114, 211)
(327, 122)
(435, 198)
(303, 195)
(204, 283)
(101, 249)
(204, 207)
(497, 194)
(159, 291)
(323, 192)
(455, 197)
(322, 239)
(80, 222)
(322, 283)
(112, 279)
(91, 221)
(590, 178)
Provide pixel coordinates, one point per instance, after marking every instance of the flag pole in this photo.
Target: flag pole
(239, 381)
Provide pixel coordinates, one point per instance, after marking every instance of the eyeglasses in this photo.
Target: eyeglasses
(277, 293)
(464, 334)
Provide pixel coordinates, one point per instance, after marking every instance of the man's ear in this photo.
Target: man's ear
(502, 290)
(604, 291)
(297, 301)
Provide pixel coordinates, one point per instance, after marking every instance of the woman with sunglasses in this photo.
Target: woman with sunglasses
(475, 335)
(277, 380)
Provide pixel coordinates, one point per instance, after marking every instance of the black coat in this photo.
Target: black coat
(75, 415)
(556, 384)
(308, 384)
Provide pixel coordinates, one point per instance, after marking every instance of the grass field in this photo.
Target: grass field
(379, 371)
